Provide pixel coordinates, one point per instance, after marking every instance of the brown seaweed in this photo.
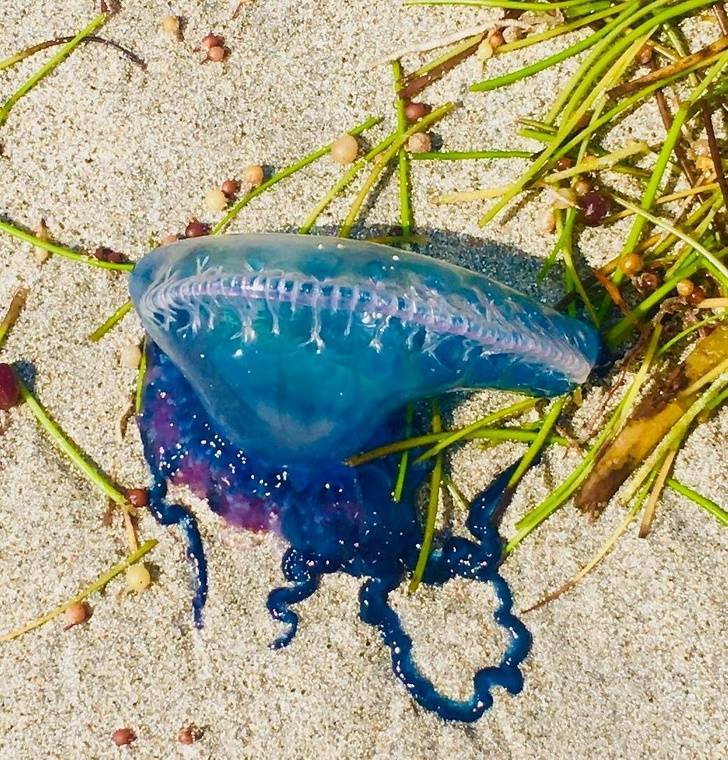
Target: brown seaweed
(651, 420)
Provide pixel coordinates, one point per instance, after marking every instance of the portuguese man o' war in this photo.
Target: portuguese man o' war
(273, 358)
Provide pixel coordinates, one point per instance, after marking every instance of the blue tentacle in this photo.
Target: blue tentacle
(174, 514)
(458, 557)
(376, 610)
(301, 571)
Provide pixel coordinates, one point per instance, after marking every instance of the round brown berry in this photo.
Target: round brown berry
(415, 111)
(138, 497)
(123, 736)
(594, 207)
(696, 297)
(197, 229)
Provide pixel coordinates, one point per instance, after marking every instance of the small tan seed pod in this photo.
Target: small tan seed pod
(419, 142)
(171, 25)
(42, 233)
(216, 200)
(254, 175)
(137, 578)
(130, 356)
(685, 288)
(496, 39)
(345, 149)
(645, 55)
(547, 221)
(582, 187)
(564, 197)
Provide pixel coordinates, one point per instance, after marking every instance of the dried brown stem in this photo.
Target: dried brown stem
(649, 513)
(16, 306)
(413, 87)
(133, 57)
(667, 71)
(666, 116)
(722, 16)
(614, 293)
(714, 151)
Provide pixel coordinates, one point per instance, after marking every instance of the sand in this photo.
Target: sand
(629, 664)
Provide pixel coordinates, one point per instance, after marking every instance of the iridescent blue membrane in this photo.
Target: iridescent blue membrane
(273, 358)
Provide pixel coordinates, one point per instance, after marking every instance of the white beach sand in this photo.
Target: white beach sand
(629, 664)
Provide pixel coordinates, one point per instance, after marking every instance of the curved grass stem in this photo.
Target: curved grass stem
(21, 55)
(432, 503)
(114, 319)
(707, 504)
(520, 407)
(538, 442)
(420, 126)
(51, 64)
(59, 250)
(687, 331)
(64, 444)
(92, 588)
(522, 434)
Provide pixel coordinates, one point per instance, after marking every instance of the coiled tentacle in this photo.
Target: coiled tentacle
(464, 558)
(458, 558)
(303, 573)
